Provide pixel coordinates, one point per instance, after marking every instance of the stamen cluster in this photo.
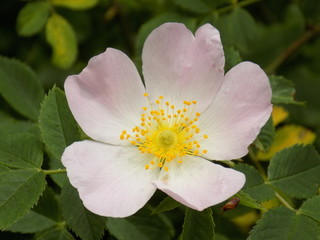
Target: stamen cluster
(166, 132)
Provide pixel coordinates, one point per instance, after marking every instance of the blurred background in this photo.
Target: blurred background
(56, 38)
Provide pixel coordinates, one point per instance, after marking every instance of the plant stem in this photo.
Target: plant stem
(55, 171)
(284, 202)
(296, 45)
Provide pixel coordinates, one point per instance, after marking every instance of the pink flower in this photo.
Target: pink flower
(162, 135)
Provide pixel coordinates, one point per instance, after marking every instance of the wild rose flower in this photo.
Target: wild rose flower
(162, 135)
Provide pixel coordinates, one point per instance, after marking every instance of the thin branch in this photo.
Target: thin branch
(55, 171)
(294, 47)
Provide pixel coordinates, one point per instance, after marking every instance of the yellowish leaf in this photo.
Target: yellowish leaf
(279, 114)
(75, 4)
(61, 37)
(287, 136)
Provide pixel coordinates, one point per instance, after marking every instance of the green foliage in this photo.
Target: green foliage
(295, 171)
(20, 190)
(266, 136)
(57, 125)
(196, 6)
(198, 225)
(311, 208)
(84, 223)
(283, 224)
(57, 233)
(32, 18)
(255, 186)
(20, 151)
(60, 35)
(20, 87)
(75, 4)
(142, 226)
(283, 90)
(248, 201)
(165, 205)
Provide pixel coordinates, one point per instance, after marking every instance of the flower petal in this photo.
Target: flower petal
(111, 180)
(198, 183)
(235, 117)
(107, 96)
(181, 66)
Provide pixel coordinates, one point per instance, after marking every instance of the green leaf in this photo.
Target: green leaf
(31, 223)
(150, 25)
(197, 6)
(16, 126)
(311, 208)
(57, 125)
(266, 136)
(43, 216)
(283, 90)
(166, 204)
(21, 151)
(198, 225)
(57, 233)
(75, 4)
(61, 37)
(232, 58)
(85, 224)
(20, 190)
(20, 87)
(295, 171)
(283, 224)
(141, 226)
(248, 201)
(60, 178)
(255, 185)
(32, 17)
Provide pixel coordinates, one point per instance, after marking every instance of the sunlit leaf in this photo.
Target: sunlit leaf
(20, 87)
(295, 171)
(198, 225)
(248, 201)
(75, 4)
(60, 35)
(287, 136)
(32, 18)
(279, 114)
(20, 190)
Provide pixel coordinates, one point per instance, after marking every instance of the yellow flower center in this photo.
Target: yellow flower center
(166, 132)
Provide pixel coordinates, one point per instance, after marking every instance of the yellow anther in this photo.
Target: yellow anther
(166, 168)
(161, 97)
(160, 164)
(142, 124)
(124, 132)
(198, 145)
(204, 150)
(205, 136)
(157, 101)
(133, 143)
(144, 108)
(146, 166)
(198, 114)
(196, 152)
(172, 106)
(121, 137)
(146, 94)
(194, 102)
(152, 162)
(167, 103)
(179, 111)
(185, 110)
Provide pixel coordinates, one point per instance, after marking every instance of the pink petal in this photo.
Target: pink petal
(241, 107)
(181, 66)
(111, 180)
(198, 183)
(107, 96)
